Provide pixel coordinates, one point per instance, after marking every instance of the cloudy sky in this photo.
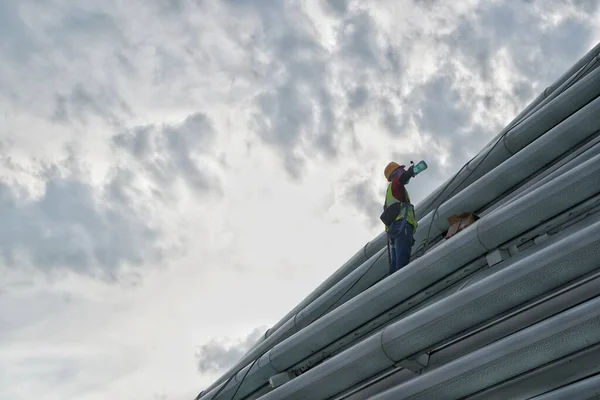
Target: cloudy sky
(176, 175)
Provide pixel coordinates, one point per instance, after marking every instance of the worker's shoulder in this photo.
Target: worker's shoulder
(397, 182)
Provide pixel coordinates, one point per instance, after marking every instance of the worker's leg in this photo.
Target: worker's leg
(392, 253)
(401, 243)
(397, 236)
(392, 235)
(403, 249)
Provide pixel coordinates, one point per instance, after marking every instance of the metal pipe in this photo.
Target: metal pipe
(541, 309)
(362, 256)
(587, 389)
(561, 165)
(553, 90)
(554, 143)
(275, 334)
(542, 151)
(554, 110)
(379, 242)
(577, 128)
(558, 140)
(575, 72)
(549, 377)
(566, 333)
(510, 287)
(500, 226)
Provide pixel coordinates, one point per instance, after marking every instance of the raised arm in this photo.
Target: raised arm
(406, 175)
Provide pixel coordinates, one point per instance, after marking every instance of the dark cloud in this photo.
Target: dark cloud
(457, 109)
(172, 6)
(295, 106)
(217, 355)
(309, 95)
(391, 118)
(587, 6)
(75, 226)
(76, 23)
(73, 29)
(362, 196)
(522, 90)
(540, 52)
(170, 152)
(443, 113)
(60, 37)
(358, 97)
(358, 41)
(81, 104)
(372, 62)
(61, 62)
(298, 112)
(441, 109)
(16, 41)
(460, 106)
(339, 7)
(368, 49)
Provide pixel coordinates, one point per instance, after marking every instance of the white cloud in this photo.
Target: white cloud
(218, 355)
(175, 174)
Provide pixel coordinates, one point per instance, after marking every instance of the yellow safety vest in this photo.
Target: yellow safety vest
(408, 211)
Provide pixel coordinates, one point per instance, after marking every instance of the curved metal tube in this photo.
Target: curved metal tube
(494, 229)
(516, 284)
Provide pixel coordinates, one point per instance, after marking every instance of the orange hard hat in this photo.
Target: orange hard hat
(389, 170)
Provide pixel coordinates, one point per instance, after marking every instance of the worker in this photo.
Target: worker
(398, 215)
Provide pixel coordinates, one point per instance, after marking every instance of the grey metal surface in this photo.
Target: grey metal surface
(391, 379)
(570, 132)
(361, 278)
(508, 288)
(517, 138)
(516, 169)
(554, 197)
(353, 284)
(577, 156)
(586, 389)
(536, 141)
(503, 324)
(394, 314)
(553, 90)
(514, 285)
(378, 242)
(336, 374)
(360, 257)
(547, 341)
(261, 372)
(274, 335)
(579, 69)
(543, 308)
(553, 112)
(492, 230)
(377, 299)
(557, 225)
(549, 377)
(423, 271)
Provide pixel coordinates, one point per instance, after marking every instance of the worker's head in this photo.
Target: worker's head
(392, 170)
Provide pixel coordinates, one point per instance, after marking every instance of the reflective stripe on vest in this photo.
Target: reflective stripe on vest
(408, 211)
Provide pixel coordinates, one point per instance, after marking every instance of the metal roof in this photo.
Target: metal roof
(495, 312)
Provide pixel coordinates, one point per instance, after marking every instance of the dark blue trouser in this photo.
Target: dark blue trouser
(400, 235)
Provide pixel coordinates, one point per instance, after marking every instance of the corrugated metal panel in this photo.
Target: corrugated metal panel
(568, 332)
(586, 389)
(449, 325)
